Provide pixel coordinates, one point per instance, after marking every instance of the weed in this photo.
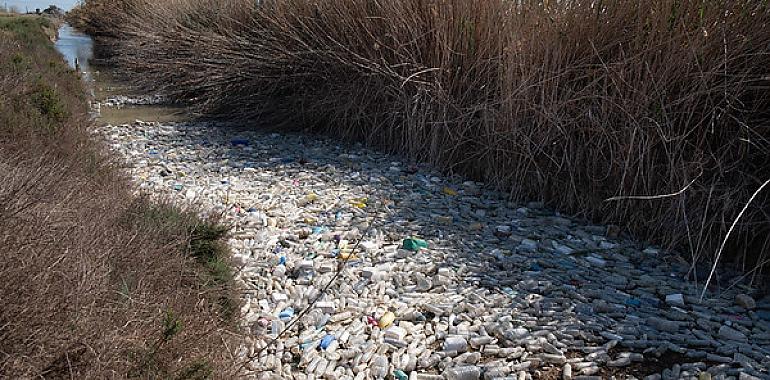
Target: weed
(203, 242)
(19, 61)
(49, 103)
(171, 326)
(199, 370)
(206, 241)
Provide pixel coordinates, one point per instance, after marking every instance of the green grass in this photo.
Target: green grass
(204, 242)
(49, 102)
(27, 29)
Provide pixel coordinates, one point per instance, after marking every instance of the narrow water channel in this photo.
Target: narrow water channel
(77, 49)
(113, 100)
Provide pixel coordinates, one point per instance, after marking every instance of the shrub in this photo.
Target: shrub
(49, 103)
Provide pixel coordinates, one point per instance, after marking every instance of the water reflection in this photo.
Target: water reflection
(77, 49)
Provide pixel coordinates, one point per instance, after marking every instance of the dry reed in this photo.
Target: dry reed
(570, 102)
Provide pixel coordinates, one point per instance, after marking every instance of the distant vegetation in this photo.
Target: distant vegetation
(572, 102)
(52, 10)
(96, 283)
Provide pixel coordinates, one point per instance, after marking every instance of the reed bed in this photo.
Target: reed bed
(649, 114)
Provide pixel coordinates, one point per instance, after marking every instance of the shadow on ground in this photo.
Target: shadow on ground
(560, 289)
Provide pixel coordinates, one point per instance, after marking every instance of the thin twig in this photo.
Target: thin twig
(653, 197)
(730, 231)
(416, 74)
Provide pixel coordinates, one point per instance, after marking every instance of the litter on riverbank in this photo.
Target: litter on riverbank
(449, 281)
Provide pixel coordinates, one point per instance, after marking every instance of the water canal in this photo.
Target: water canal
(113, 100)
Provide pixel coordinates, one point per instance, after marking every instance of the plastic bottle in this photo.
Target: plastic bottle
(456, 344)
(326, 341)
(463, 373)
(286, 314)
(379, 367)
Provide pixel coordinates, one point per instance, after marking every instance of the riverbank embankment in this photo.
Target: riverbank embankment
(97, 282)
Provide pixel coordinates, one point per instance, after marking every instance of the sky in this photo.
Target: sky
(22, 5)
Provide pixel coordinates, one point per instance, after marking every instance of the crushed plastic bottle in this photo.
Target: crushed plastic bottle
(633, 302)
(400, 375)
(359, 202)
(414, 244)
(322, 321)
(379, 367)
(456, 344)
(320, 230)
(239, 142)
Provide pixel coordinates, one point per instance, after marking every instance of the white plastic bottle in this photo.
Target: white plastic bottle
(463, 373)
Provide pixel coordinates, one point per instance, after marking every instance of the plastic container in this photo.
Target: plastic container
(414, 245)
(379, 367)
(455, 343)
(400, 375)
(326, 341)
(463, 373)
(286, 314)
(386, 320)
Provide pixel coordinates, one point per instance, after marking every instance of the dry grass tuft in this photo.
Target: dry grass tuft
(95, 283)
(570, 102)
